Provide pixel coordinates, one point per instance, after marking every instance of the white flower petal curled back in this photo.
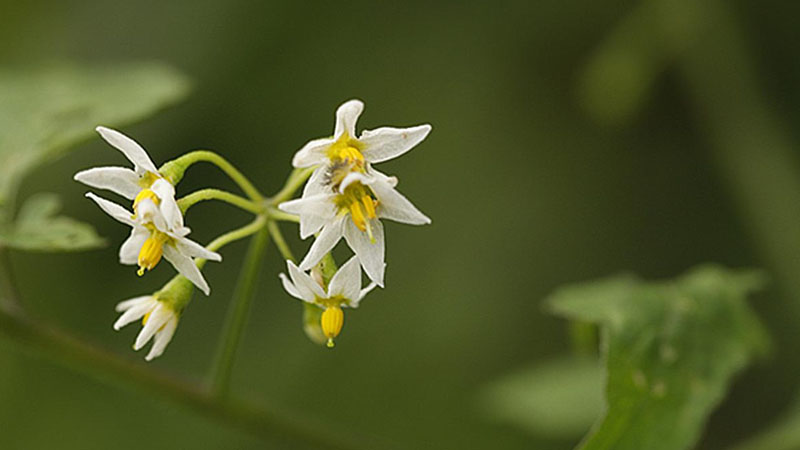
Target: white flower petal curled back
(160, 323)
(344, 288)
(319, 212)
(376, 146)
(177, 248)
(129, 183)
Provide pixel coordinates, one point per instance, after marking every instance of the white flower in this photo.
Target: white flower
(151, 239)
(159, 322)
(352, 210)
(144, 181)
(373, 146)
(344, 290)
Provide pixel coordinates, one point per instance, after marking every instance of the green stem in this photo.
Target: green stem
(179, 165)
(237, 315)
(100, 364)
(280, 242)
(277, 214)
(189, 200)
(293, 183)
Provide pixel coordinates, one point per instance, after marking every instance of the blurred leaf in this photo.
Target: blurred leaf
(46, 110)
(670, 348)
(39, 229)
(560, 398)
(784, 435)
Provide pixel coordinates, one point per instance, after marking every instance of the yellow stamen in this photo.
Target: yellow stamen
(332, 321)
(358, 216)
(369, 205)
(151, 252)
(146, 318)
(145, 194)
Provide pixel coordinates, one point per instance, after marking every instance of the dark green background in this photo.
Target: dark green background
(526, 191)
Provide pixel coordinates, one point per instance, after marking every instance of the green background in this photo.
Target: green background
(526, 190)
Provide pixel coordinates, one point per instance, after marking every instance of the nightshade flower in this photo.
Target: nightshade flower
(352, 210)
(346, 149)
(344, 291)
(151, 239)
(159, 321)
(142, 182)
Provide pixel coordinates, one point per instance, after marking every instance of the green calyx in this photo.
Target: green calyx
(176, 293)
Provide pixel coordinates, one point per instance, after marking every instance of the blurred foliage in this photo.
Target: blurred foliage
(527, 192)
(559, 398)
(37, 228)
(670, 349)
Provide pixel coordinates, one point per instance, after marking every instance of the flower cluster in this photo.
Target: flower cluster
(346, 197)
(157, 230)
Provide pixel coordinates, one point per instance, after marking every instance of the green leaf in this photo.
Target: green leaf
(670, 349)
(45, 111)
(39, 229)
(559, 398)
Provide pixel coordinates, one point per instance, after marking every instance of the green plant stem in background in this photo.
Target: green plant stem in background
(280, 242)
(237, 315)
(293, 183)
(277, 214)
(174, 170)
(69, 351)
(195, 197)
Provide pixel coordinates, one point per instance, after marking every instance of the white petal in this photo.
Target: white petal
(393, 205)
(192, 249)
(290, 288)
(135, 313)
(346, 282)
(386, 143)
(120, 180)
(148, 212)
(354, 177)
(158, 317)
(129, 251)
(346, 118)
(327, 239)
(168, 206)
(314, 212)
(371, 254)
(133, 151)
(362, 294)
(308, 289)
(316, 183)
(313, 153)
(186, 267)
(112, 209)
(130, 303)
(163, 337)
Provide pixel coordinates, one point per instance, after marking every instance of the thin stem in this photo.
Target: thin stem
(66, 349)
(293, 183)
(278, 215)
(233, 235)
(189, 200)
(182, 163)
(280, 242)
(237, 315)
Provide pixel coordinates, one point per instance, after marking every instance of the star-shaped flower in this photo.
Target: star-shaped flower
(352, 210)
(347, 149)
(152, 238)
(344, 291)
(159, 322)
(142, 182)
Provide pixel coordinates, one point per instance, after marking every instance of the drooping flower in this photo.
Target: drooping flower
(347, 149)
(344, 291)
(142, 182)
(159, 321)
(352, 209)
(151, 239)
